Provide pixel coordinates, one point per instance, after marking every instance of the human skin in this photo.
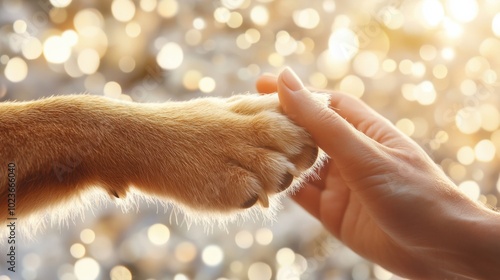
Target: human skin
(382, 195)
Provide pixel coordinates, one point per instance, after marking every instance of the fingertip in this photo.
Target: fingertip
(267, 83)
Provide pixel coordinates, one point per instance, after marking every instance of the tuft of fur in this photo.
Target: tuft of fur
(205, 158)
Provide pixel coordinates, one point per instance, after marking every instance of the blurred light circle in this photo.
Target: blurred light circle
(32, 48)
(285, 257)
(343, 44)
(168, 8)
(495, 25)
(352, 85)
(431, 13)
(485, 150)
(133, 29)
(264, 236)
(19, 26)
(426, 93)
(244, 239)
(56, 50)
(127, 64)
(112, 89)
(222, 14)
(16, 70)
(180, 276)
(232, 4)
(260, 271)
(170, 56)
(88, 18)
(148, 5)
(307, 18)
(212, 255)
(207, 84)
(123, 10)
(86, 269)
(428, 52)
(470, 189)
(120, 272)
(158, 234)
(259, 15)
(462, 10)
(465, 155)
(87, 236)
(185, 252)
(490, 117)
(406, 126)
(88, 61)
(468, 120)
(77, 250)
(60, 3)
(366, 64)
(235, 20)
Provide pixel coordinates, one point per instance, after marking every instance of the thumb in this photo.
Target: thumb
(332, 133)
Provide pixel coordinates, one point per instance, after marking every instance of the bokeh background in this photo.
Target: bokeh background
(431, 66)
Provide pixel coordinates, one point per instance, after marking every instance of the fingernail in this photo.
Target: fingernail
(291, 80)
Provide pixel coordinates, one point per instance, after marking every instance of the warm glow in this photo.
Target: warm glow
(207, 84)
(485, 151)
(60, 3)
(432, 12)
(259, 15)
(77, 250)
(88, 61)
(87, 236)
(170, 56)
(260, 271)
(343, 44)
(285, 257)
(123, 10)
(32, 48)
(470, 189)
(158, 234)
(16, 70)
(307, 18)
(462, 10)
(244, 239)
(56, 50)
(168, 8)
(120, 273)
(495, 25)
(212, 255)
(86, 269)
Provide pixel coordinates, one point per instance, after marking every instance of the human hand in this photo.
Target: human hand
(383, 196)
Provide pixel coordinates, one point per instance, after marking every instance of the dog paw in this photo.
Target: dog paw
(237, 152)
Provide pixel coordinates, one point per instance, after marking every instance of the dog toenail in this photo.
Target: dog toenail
(286, 182)
(249, 203)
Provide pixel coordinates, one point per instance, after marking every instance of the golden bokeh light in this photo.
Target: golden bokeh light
(86, 269)
(186, 252)
(260, 271)
(430, 66)
(158, 234)
(168, 8)
(123, 10)
(16, 70)
(77, 250)
(170, 56)
(212, 255)
(56, 49)
(259, 15)
(307, 18)
(120, 272)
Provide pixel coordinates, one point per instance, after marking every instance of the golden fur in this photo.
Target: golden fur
(212, 155)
